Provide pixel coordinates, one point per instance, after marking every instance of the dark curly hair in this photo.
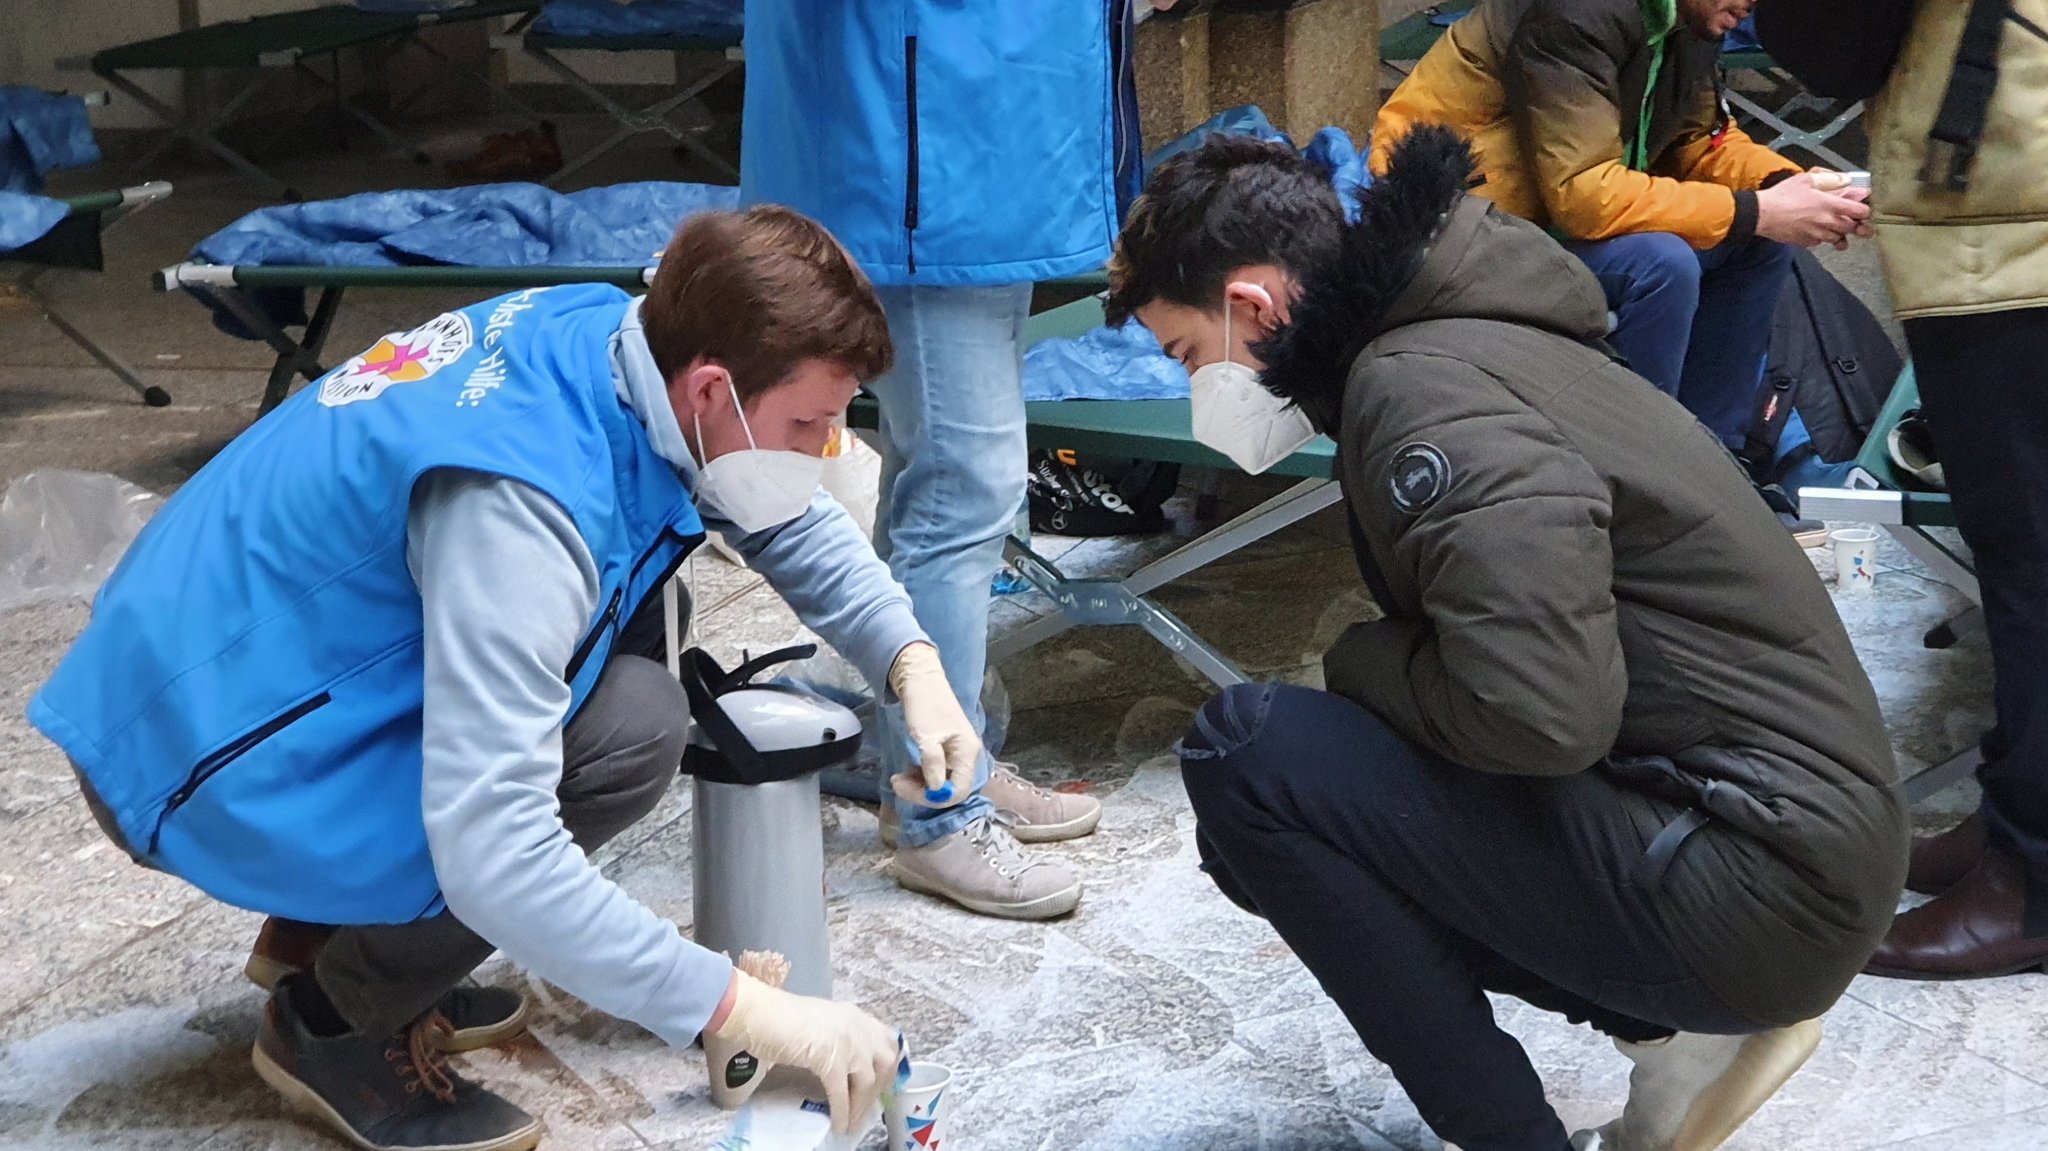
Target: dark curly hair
(1232, 202)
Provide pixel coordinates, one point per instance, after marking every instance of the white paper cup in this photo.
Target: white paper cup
(1855, 558)
(919, 1107)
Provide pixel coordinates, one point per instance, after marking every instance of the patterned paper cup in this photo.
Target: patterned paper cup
(919, 1107)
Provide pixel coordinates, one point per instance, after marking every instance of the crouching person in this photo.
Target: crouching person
(390, 662)
(1610, 750)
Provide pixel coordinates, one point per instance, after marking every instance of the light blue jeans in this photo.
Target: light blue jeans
(953, 464)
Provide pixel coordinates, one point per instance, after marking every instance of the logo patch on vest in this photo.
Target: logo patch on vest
(1419, 478)
(399, 358)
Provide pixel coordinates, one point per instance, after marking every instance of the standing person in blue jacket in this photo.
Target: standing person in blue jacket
(962, 152)
(391, 662)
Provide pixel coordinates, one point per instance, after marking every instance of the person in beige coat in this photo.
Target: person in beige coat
(1959, 176)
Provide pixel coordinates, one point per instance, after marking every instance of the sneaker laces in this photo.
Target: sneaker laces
(1010, 770)
(991, 836)
(420, 1061)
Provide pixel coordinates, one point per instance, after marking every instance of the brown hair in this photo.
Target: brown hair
(759, 292)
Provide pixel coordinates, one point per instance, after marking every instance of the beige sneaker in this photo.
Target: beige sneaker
(981, 868)
(1035, 814)
(1691, 1092)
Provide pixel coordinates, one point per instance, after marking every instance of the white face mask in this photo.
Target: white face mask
(1236, 416)
(755, 488)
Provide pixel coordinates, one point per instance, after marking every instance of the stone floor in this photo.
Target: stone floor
(1156, 1018)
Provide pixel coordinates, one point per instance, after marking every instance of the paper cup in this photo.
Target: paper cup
(1855, 558)
(919, 1107)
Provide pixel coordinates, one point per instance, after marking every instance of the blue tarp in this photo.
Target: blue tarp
(586, 19)
(485, 226)
(26, 218)
(40, 132)
(489, 226)
(1126, 363)
(1743, 38)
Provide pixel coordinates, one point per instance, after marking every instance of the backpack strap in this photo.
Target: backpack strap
(1959, 126)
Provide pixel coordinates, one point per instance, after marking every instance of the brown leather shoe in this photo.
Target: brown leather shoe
(1975, 930)
(282, 947)
(1941, 861)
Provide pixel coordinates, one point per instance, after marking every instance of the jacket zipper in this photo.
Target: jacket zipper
(910, 175)
(610, 615)
(1121, 55)
(589, 644)
(211, 766)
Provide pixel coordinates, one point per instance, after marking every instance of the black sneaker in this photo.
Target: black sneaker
(389, 1093)
(480, 1016)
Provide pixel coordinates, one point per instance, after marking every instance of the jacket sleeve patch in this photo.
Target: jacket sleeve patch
(1418, 478)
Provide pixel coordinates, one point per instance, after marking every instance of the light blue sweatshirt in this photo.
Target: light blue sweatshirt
(508, 588)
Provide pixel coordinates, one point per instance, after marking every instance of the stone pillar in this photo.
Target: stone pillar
(1308, 63)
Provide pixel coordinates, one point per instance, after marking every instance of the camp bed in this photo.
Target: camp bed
(1923, 523)
(75, 243)
(546, 48)
(1150, 430)
(1405, 41)
(228, 287)
(288, 43)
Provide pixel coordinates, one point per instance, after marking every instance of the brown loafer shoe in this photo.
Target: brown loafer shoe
(1974, 930)
(1941, 861)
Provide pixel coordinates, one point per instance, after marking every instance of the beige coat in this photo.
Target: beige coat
(1984, 249)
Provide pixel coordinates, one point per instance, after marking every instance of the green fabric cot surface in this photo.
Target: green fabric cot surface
(555, 43)
(1137, 429)
(307, 32)
(1921, 508)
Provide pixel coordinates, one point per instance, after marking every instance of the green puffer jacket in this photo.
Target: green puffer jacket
(1577, 577)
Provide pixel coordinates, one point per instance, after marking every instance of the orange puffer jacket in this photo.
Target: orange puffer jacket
(1597, 118)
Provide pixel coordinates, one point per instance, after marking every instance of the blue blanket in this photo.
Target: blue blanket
(40, 132)
(25, 218)
(706, 19)
(486, 226)
(1126, 363)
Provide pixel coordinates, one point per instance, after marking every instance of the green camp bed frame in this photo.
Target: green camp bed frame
(547, 48)
(1405, 41)
(1878, 494)
(1150, 430)
(286, 42)
(75, 244)
(228, 287)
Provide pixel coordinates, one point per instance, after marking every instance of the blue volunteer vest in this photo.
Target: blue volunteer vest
(945, 142)
(247, 697)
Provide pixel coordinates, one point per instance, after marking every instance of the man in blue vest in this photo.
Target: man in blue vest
(389, 661)
(961, 151)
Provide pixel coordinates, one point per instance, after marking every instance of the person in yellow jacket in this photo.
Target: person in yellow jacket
(1603, 120)
(1958, 149)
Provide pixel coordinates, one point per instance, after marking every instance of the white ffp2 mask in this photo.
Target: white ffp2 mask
(1235, 415)
(756, 488)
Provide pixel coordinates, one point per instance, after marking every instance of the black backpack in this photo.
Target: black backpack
(1830, 360)
(1076, 495)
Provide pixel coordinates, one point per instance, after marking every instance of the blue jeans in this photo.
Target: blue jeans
(953, 465)
(1695, 324)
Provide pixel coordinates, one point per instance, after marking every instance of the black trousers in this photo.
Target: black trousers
(1984, 394)
(1409, 886)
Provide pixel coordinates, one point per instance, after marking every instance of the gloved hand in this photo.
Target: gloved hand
(850, 1051)
(948, 747)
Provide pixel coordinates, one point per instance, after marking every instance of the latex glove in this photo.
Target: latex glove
(850, 1051)
(948, 747)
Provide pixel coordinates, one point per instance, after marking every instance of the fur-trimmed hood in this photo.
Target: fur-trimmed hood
(1423, 249)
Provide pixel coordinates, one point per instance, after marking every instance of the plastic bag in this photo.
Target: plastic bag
(853, 476)
(62, 532)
